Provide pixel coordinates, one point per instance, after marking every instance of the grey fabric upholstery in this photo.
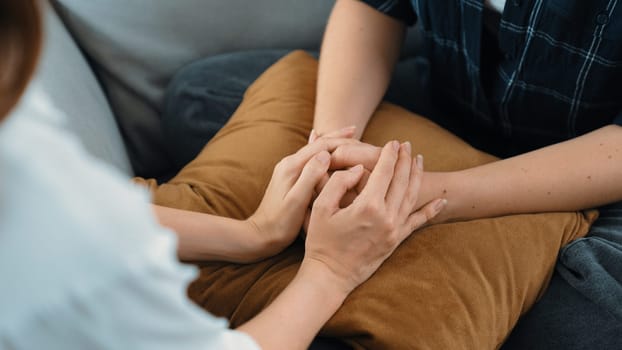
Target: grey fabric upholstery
(67, 80)
(136, 47)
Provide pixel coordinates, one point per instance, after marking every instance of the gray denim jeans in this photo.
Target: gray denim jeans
(582, 308)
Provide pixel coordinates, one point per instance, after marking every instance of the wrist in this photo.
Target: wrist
(335, 288)
(247, 247)
(299, 312)
(262, 238)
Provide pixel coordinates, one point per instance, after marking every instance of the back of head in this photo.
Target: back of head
(20, 42)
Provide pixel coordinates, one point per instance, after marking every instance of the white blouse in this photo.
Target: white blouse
(83, 262)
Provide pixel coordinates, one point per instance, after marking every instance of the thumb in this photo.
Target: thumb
(311, 175)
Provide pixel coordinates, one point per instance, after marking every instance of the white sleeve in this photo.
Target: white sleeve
(146, 310)
(83, 262)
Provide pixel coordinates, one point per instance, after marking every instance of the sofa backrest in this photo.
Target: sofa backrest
(137, 46)
(68, 82)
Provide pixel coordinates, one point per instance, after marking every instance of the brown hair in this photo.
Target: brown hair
(20, 43)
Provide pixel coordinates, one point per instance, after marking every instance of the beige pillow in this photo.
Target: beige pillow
(451, 286)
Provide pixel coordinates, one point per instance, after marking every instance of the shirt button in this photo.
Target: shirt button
(602, 18)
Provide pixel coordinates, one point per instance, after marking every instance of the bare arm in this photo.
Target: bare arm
(578, 174)
(204, 237)
(298, 313)
(360, 49)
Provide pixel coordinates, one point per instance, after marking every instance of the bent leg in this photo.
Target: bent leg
(593, 265)
(565, 319)
(203, 96)
(582, 308)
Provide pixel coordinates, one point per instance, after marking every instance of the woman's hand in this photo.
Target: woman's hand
(281, 213)
(351, 243)
(345, 157)
(347, 132)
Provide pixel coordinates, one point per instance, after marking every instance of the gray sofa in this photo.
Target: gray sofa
(107, 63)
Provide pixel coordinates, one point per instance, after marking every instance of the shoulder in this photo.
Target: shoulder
(69, 225)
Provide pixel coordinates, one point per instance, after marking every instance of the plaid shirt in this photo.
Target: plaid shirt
(559, 72)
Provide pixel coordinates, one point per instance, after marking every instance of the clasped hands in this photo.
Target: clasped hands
(356, 217)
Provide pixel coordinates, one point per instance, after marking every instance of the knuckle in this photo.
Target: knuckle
(372, 209)
(392, 239)
(389, 224)
(323, 142)
(387, 242)
(428, 214)
(285, 165)
(341, 153)
(280, 166)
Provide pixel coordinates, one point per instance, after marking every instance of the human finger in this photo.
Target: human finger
(312, 136)
(351, 195)
(320, 185)
(400, 183)
(301, 192)
(305, 225)
(412, 193)
(382, 175)
(328, 144)
(422, 216)
(361, 185)
(339, 183)
(290, 167)
(350, 154)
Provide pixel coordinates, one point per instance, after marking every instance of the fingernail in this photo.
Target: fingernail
(407, 147)
(311, 135)
(357, 169)
(420, 161)
(323, 157)
(396, 145)
(440, 205)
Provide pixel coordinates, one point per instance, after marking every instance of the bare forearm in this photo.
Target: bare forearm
(204, 237)
(359, 52)
(578, 174)
(296, 316)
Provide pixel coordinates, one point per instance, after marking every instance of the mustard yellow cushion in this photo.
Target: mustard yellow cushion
(451, 286)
